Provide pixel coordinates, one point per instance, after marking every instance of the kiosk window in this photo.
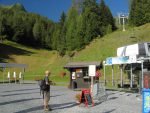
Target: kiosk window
(79, 75)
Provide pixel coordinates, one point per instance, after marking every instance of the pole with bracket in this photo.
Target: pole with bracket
(104, 75)
(112, 75)
(142, 73)
(3, 74)
(121, 68)
(131, 81)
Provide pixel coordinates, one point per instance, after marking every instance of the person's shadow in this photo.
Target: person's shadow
(53, 106)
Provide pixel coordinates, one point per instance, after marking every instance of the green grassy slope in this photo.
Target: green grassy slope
(40, 60)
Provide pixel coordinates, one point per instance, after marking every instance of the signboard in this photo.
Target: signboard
(73, 75)
(20, 75)
(86, 97)
(14, 75)
(79, 70)
(121, 60)
(117, 60)
(132, 59)
(8, 76)
(146, 100)
(92, 70)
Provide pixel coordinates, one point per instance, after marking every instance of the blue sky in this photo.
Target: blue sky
(53, 8)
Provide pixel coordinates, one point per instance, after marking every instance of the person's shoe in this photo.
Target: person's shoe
(46, 109)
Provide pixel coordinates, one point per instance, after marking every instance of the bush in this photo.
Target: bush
(62, 74)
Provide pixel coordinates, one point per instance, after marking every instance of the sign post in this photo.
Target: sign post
(92, 73)
(104, 75)
(113, 83)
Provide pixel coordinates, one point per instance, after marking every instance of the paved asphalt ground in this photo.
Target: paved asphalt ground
(26, 98)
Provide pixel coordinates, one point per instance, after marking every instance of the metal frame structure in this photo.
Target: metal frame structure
(141, 61)
(12, 65)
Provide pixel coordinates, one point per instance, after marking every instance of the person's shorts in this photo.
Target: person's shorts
(46, 96)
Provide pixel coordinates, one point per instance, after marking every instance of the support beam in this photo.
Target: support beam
(23, 75)
(71, 80)
(104, 75)
(3, 74)
(92, 84)
(113, 75)
(131, 79)
(121, 76)
(142, 73)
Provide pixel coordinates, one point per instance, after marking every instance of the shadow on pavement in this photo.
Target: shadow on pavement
(16, 101)
(64, 105)
(110, 111)
(21, 90)
(112, 98)
(14, 94)
(54, 107)
(56, 95)
(30, 109)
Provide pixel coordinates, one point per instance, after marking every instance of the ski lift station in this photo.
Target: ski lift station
(136, 59)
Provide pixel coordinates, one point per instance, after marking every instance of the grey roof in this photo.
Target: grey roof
(81, 64)
(10, 65)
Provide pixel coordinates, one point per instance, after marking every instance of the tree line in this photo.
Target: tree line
(139, 12)
(73, 31)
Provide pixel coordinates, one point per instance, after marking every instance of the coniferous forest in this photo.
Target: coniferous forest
(139, 12)
(75, 29)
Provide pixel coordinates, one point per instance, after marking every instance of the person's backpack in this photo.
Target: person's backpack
(43, 87)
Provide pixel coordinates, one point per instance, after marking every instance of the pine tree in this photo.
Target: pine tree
(18, 29)
(139, 12)
(80, 33)
(107, 20)
(91, 20)
(37, 31)
(71, 29)
(2, 29)
(55, 37)
(62, 36)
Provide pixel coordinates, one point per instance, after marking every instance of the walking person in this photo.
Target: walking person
(46, 92)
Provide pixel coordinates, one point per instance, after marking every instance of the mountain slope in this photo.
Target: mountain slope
(39, 60)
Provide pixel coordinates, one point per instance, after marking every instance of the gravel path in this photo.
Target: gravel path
(25, 98)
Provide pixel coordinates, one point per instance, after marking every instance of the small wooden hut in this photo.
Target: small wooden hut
(79, 77)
